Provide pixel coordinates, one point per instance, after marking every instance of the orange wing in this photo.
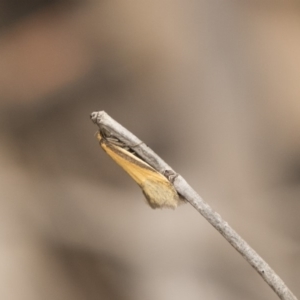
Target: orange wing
(158, 191)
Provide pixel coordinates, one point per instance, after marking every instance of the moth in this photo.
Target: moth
(158, 190)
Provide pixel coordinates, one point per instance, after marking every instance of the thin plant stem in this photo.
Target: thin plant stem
(102, 119)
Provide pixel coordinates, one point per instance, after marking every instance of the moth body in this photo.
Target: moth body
(158, 190)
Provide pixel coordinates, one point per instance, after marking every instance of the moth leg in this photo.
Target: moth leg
(170, 175)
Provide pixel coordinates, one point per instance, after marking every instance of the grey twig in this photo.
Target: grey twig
(102, 119)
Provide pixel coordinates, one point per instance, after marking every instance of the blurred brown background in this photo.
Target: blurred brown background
(212, 86)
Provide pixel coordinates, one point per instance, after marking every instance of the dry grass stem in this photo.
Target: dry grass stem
(184, 189)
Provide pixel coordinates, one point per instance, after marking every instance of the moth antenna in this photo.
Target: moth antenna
(136, 145)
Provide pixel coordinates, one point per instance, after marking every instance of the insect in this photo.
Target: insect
(158, 190)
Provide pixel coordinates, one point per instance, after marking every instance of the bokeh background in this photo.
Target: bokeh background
(212, 86)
